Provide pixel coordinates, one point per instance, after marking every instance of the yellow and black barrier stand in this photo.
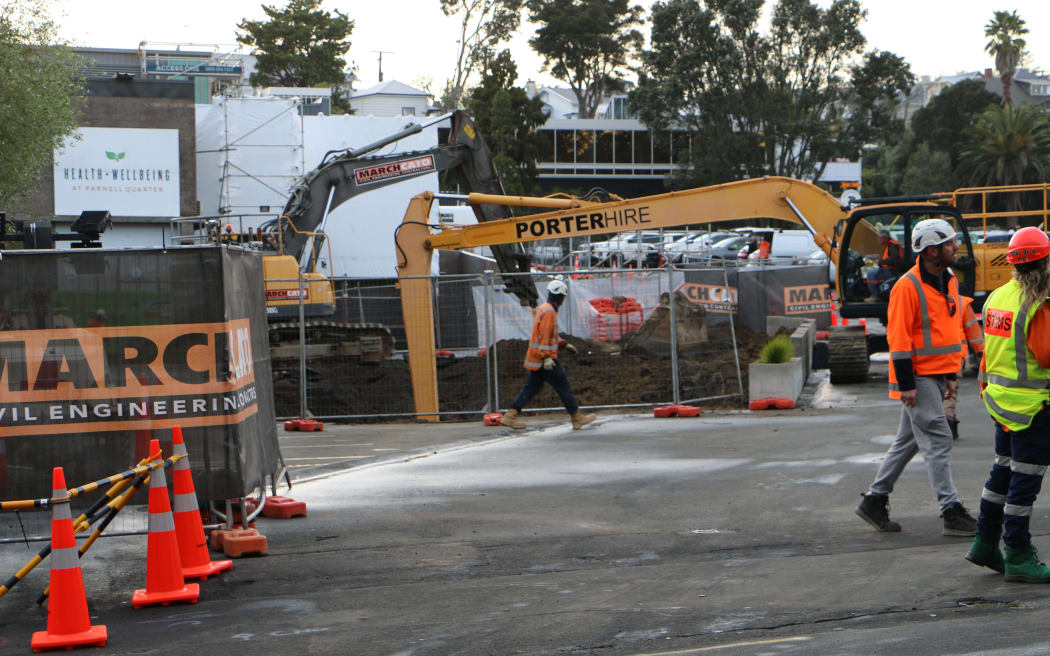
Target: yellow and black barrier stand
(82, 522)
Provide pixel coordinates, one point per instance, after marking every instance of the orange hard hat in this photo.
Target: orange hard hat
(1028, 245)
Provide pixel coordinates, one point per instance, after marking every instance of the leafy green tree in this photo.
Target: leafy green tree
(41, 95)
(927, 171)
(781, 103)
(301, 45)
(586, 43)
(1008, 145)
(949, 114)
(507, 118)
(1007, 46)
(484, 24)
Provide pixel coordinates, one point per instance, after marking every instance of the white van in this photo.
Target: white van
(788, 244)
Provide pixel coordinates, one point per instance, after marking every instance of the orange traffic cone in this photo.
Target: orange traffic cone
(189, 531)
(164, 582)
(68, 624)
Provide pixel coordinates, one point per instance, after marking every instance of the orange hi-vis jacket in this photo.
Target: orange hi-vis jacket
(973, 335)
(921, 327)
(544, 342)
(763, 249)
(886, 256)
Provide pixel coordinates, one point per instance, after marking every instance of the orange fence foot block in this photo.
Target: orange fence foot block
(676, 411)
(244, 542)
(283, 508)
(305, 425)
(779, 404)
(493, 418)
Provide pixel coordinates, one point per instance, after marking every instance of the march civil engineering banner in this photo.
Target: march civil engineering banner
(758, 291)
(102, 350)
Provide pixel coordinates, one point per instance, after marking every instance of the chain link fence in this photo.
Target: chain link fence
(644, 337)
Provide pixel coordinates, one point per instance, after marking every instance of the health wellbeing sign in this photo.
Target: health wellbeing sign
(128, 171)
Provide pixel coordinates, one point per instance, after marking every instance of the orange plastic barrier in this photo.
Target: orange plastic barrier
(779, 404)
(676, 411)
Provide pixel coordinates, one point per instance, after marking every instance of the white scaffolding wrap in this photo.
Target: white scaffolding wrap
(250, 152)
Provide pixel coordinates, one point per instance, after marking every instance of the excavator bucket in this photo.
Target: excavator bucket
(653, 337)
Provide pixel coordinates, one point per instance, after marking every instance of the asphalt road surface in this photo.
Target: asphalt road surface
(729, 534)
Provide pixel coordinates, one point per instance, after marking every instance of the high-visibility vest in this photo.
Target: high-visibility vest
(886, 253)
(1017, 387)
(922, 327)
(973, 336)
(543, 342)
(763, 249)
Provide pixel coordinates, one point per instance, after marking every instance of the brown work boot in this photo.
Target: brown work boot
(581, 419)
(511, 419)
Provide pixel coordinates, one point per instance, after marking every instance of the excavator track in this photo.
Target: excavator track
(367, 342)
(848, 354)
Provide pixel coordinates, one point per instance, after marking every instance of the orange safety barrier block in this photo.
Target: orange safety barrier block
(68, 622)
(676, 411)
(779, 404)
(493, 418)
(305, 425)
(164, 582)
(244, 542)
(189, 531)
(823, 334)
(283, 508)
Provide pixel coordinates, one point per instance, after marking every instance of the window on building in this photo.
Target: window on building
(408, 111)
(619, 108)
(622, 140)
(604, 153)
(565, 146)
(661, 147)
(584, 146)
(679, 146)
(546, 144)
(642, 147)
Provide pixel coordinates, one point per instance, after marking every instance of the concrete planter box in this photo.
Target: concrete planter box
(776, 381)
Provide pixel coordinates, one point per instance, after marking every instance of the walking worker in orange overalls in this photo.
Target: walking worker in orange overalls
(924, 330)
(541, 361)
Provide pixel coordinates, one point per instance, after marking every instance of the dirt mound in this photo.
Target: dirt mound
(602, 374)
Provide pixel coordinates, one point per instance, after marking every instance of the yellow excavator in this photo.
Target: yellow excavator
(846, 233)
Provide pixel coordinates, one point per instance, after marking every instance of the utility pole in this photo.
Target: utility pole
(381, 52)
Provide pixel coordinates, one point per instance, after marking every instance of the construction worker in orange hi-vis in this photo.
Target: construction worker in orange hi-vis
(764, 247)
(973, 340)
(541, 361)
(924, 331)
(1015, 385)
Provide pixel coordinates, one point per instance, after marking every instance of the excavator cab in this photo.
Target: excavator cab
(863, 276)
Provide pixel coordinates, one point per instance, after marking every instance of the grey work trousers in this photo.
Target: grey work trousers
(922, 427)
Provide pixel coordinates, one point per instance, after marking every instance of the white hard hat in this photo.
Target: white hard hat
(930, 232)
(557, 287)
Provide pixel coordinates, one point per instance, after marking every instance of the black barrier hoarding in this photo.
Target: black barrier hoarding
(103, 350)
(755, 293)
(792, 291)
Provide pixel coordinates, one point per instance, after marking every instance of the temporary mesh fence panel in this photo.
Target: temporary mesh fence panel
(101, 351)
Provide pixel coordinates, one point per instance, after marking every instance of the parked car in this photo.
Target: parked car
(694, 245)
(728, 248)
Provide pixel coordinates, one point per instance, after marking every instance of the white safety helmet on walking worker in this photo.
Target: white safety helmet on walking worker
(930, 232)
(557, 287)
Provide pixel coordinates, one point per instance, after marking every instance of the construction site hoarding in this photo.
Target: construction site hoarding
(103, 350)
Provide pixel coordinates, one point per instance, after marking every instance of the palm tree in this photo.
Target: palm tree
(1007, 146)
(1006, 44)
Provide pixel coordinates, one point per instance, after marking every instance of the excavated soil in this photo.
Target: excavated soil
(604, 373)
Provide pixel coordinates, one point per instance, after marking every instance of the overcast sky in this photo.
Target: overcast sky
(935, 36)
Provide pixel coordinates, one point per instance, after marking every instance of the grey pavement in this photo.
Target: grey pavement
(732, 533)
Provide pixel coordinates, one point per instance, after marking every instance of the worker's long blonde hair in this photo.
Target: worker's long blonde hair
(1035, 280)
